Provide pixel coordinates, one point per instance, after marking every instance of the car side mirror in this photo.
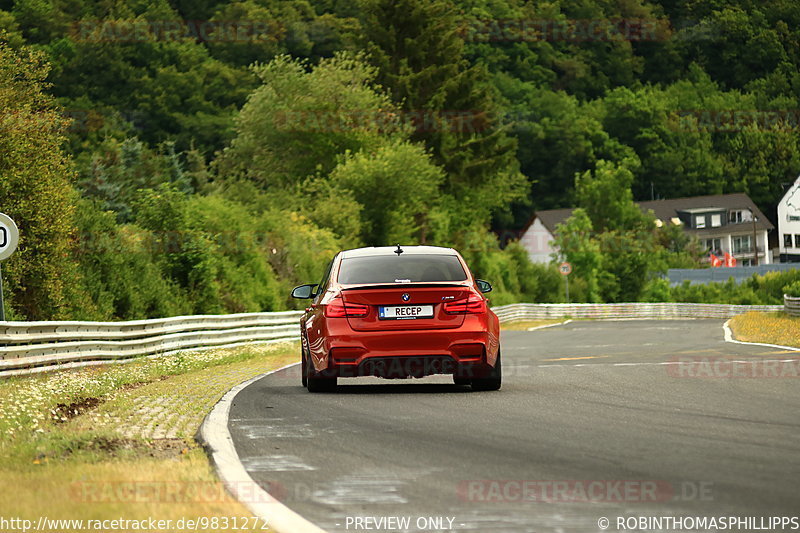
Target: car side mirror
(304, 292)
(483, 286)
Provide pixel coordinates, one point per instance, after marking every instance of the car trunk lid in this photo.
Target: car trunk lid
(405, 306)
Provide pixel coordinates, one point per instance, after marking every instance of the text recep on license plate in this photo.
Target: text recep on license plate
(405, 311)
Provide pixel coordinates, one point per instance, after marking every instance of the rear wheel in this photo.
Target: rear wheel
(304, 370)
(493, 380)
(315, 382)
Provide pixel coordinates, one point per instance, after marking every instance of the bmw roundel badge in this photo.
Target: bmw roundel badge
(406, 297)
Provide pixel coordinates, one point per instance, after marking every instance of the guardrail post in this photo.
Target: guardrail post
(791, 305)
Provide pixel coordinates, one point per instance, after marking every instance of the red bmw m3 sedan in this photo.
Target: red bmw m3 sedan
(399, 312)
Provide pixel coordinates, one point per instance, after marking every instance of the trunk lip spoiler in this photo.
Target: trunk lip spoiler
(418, 285)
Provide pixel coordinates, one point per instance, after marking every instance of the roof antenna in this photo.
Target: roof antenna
(398, 251)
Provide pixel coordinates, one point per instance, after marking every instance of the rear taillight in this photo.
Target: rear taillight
(338, 309)
(472, 305)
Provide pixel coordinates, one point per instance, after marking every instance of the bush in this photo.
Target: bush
(514, 278)
(756, 290)
(771, 285)
(792, 289)
(656, 290)
(120, 271)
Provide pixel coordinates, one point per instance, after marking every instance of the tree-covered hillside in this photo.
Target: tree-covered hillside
(166, 157)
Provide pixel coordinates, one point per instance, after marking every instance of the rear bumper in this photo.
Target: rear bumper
(466, 351)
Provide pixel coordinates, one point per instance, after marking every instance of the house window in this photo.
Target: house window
(794, 218)
(741, 244)
(713, 245)
(700, 222)
(746, 262)
(797, 241)
(716, 221)
(787, 241)
(737, 216)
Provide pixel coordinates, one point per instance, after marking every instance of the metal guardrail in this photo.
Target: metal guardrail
(28, 347)
(626, 310)
(791, 305)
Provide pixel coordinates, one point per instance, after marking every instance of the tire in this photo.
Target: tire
(462, 381)
(318, 384)
(315, 382)
(304, 368)
(493, 381)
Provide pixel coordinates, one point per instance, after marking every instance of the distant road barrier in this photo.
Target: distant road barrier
(28, 347)
(792, 305)
(625, 310)
(703, 276)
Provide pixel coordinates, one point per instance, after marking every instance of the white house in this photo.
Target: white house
(723, 223)
(789, 225)
(537, 238)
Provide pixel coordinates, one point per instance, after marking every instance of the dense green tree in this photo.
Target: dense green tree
(397, 186)
(417, 48)
(35, 189)
(299, 122)
(9, 30)
(614, 246)
(558, 137)
(606, 196)
(677, 158)
(365, 122)
(745, 46)
(267, 28)
(120, 270)
(577, 245)
(116, 175)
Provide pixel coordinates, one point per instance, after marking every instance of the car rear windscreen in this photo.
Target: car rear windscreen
(401, 269)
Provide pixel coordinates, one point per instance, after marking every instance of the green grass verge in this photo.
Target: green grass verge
(117, 441)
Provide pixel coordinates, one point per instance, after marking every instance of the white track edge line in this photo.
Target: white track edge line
(550, 325)
(216, 438)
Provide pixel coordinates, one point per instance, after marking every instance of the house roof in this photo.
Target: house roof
(668, 209)
(551, 217)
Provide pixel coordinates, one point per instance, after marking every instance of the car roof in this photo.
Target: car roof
(390, 250)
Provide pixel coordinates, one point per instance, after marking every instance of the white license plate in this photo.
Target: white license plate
(405, 312)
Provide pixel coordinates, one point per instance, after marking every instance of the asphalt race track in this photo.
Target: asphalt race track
(595, 419)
